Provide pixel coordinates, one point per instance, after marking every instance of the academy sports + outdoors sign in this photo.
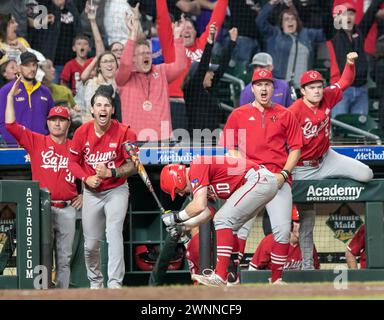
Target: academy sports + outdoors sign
(336, 190)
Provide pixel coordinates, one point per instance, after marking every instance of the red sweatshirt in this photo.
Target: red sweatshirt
(193, 52)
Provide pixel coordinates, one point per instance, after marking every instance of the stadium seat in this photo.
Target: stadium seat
(363, 122)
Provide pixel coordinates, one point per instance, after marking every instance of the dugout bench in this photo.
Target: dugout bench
(340, 190)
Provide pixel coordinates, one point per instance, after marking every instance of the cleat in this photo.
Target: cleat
(278, 282)
(209, 278)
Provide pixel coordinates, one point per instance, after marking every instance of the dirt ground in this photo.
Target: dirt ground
(241, 292)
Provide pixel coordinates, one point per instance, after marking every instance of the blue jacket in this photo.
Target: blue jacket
(279, 44)
(31, 110)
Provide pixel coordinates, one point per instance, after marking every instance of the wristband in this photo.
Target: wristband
(285, 174)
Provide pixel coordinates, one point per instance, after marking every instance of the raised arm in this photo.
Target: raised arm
(10, 116)
(126, 62)
(225, 57)
(348, 75)
(164, 29)
(91, 15)
(217, 17)
(262, 23)
(174, 70)
(369, 17)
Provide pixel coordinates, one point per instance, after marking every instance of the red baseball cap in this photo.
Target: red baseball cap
(341, 8)
(262, 74)
(310, 76)
(59, 111)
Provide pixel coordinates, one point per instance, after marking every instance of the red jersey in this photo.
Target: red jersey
(262, 257)
(49, 161)
(88, 150)
(357, 246)
(264, 137)
(222, 175)
(69, 71)
(316, 124)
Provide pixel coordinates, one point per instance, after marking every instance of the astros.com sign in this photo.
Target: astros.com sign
(333, 193)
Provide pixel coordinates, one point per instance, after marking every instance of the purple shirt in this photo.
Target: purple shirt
(281, 94)
(30, 112)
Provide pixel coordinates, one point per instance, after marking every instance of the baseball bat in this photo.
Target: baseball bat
(131, 150)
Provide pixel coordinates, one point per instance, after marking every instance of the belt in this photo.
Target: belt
(60, 204)
(310, 163)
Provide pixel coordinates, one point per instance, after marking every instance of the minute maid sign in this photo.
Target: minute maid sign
(337, 190)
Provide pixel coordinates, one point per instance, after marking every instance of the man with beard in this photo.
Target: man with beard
(33, 100)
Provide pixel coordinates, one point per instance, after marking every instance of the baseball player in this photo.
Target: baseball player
(49, 161)
(268, 134)
(262, 256)
(356, 248)
(245, 185)
(317, 160)
(98, 158)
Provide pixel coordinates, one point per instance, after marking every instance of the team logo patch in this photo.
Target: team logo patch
(44, 98)
(195, 183)
(313, 75)
(18, 99)
(113, 145)
(274, 118)
(252, 118)
(327, 111)
(262, 73)
(87, 144)
(59, 109)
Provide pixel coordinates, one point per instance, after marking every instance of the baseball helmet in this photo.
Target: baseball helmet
(146, 256)
(172, 177)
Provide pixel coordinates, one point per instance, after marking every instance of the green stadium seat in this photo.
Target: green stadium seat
(363, 122)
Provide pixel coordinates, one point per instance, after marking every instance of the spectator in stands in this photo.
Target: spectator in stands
(290, 45)
(362, 7)
(62, 96)
(281, 91)
(8, 70)
(10, 42)
(49, 159)
(73, 69)
(194, 48)
(117, 48)
(18, 9)
(144, 87)
(106, 67)
(55, 41)
(87, 29)
(356, 248)
(114, 15)
(348, 37)
(377, 74)
(32, 103)
(243, 15)
(200, 85)
(262, 256)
